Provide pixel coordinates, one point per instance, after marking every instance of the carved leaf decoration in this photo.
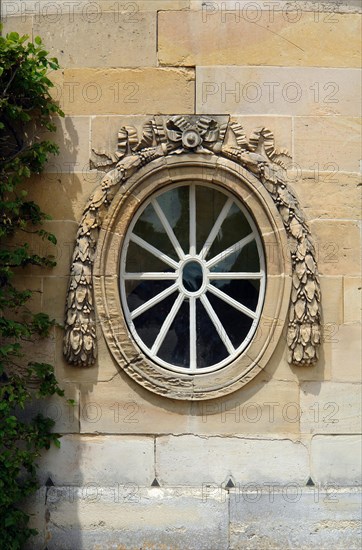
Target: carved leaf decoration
(310, 263)
(310, 351)
(296, 228)
(300, 270)
(296, 281)
(298, 353)
(310, 288)
(301, 250)
(300, 308)
(291, 335)
(316, 334)
(284, 212)
(313, 308)
(305, 332)
(75, 339)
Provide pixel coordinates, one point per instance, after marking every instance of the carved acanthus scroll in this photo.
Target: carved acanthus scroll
(164, 136)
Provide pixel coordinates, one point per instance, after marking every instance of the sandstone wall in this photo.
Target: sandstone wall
(288, 440)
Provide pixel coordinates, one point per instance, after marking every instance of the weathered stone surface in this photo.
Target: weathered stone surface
(292, 38)
(327, 143)
(65, 232)
(64, 414)
(129, 409)
(128, 516)
(340, 191)
(287, 516)
(328, 8)
(338, 246)
(336, 460)
(20, 24)
(258, 408)
(102, 460)
(54, 289)
(346, 353)
(332, 302)
(63, 195)
(135, 35)
(330, 408)
(126, 91)
(277, 91)
(192, 460)
(352, 299)
(73, 138)
(34, 506)
(126, 12)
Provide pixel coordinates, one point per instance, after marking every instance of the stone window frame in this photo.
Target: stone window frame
(183, 149)
(164, 270)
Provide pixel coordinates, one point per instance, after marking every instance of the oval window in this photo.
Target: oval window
(192, 278)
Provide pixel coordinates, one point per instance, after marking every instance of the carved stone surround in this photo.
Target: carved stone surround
(213, 145)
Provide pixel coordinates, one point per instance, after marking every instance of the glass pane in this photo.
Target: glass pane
(151, 230)
(139, 292)
(242, 290)
(175, 348)
(209, 204)
(175, 206)
(140, 260)
(235, 323)
(246, 259)
(148, 324)
(209, 346)
(234, 228)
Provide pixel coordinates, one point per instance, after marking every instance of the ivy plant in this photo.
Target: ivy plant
(26, 111)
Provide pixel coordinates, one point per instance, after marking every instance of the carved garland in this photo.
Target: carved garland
(186, 134)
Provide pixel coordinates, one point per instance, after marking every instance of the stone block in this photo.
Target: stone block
(102, 460)
(330, 408)
(326, 192)
(130, 517)
(64, 414)
(20, 24)
(336, 460)
(332, 304)
(352, 299)
(88, 40)
(65, 232)
(292, 91)
(90, 11)
(73, 139)
(338, 246)
(35, 285)
(54, 297)
(346, 353)
(125, 407)
(288, 38)
(63, 196)
(326, 10)
(126, 91)
(260, 407)
(288, 516)
(34, 506)
(193, 460)
(327, 143)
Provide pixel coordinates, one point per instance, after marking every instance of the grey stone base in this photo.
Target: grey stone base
(253, 517)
